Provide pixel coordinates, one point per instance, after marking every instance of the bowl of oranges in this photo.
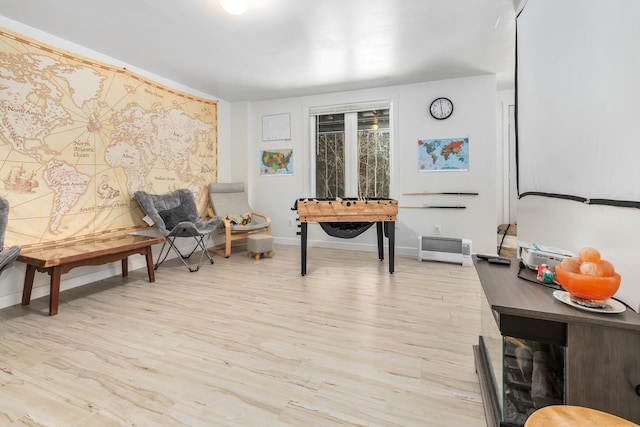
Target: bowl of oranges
(588, 276)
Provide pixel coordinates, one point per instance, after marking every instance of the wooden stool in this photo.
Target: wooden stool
(260, 244)
(574, 416)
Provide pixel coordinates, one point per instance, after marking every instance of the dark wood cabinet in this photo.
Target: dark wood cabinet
(602, 351)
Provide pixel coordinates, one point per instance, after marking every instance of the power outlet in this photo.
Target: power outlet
(437, 231)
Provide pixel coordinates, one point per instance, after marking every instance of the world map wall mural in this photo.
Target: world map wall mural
(79, 137)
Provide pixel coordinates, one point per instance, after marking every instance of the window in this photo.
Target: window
(330, 156)
(352, 152)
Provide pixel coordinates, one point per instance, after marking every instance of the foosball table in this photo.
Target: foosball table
(348, 218)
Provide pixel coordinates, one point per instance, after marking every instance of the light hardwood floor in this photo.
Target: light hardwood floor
(251, 343)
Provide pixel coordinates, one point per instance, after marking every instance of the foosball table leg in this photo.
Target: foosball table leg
(380, 232)
(391, 234)
(303, 247)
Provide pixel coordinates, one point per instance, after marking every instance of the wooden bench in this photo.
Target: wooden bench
(57, 259)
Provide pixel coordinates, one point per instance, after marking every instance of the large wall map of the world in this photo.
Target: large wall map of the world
(79, 137)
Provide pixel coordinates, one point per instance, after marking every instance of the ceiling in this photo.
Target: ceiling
(286, 48)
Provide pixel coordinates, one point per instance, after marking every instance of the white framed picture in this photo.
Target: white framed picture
(276, 127)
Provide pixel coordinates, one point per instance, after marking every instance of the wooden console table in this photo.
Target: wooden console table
(601, 359)
(59, 259)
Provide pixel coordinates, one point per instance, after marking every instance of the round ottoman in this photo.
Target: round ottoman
(258, 244)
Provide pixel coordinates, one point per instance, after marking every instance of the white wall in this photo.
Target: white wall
(12, 279)
(474, 116)
(505, 98)
(238, 143)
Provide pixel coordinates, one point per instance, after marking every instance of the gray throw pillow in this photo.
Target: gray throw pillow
(174, 216)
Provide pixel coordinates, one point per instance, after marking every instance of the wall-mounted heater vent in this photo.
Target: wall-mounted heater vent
(444, 249)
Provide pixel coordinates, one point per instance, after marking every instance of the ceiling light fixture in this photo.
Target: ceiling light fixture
(374, 124)
(234, 7)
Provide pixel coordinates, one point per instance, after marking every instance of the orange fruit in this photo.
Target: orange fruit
(588, 254)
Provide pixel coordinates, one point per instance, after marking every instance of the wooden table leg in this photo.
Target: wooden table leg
(125, 267)
(54, 291)
(149, 256)
(28, 284)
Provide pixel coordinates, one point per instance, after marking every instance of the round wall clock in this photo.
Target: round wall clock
(441, 108)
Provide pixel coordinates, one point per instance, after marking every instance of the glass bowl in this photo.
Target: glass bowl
(588, 287)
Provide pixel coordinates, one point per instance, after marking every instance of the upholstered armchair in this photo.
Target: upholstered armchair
(175, 214)
(230, 202)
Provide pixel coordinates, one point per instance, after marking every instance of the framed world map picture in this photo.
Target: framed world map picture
(443, 154)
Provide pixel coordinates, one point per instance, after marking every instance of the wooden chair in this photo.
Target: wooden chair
(230, 201)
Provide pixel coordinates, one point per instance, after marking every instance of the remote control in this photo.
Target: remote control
(485, 257)
(502, 261)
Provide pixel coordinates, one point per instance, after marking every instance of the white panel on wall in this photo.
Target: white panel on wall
(578, 91)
